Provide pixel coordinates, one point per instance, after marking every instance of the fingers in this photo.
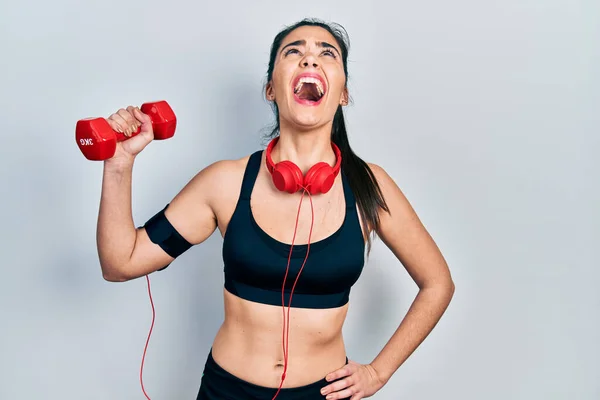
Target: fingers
(145, 122)
(125, 121)
(117, 123)
(346, 370)
(122, 121)
(132, 123)
(336, 387)
(348, 393)
(140, 116)
(343, 379)
(353, 381)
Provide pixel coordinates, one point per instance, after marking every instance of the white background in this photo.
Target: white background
(486, 114)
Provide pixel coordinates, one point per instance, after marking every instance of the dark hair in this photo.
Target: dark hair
(360, 177)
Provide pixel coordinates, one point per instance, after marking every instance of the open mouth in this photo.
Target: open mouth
(309, 90)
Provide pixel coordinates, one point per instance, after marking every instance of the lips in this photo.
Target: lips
(316, 92)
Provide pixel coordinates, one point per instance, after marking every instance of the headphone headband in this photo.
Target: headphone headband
(288, 177)
(271, 164)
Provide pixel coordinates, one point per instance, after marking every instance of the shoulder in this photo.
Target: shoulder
(193, 211)
(223, 168)
(379, 172)
(219, 174)
(386, 183)
(219, 183)
(397, 205)
(213, 183)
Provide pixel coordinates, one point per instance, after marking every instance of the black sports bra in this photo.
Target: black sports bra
(255, 263)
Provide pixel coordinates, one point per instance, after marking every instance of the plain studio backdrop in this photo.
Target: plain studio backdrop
(486, 114)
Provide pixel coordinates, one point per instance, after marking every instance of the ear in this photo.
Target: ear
(344, 97)
(269, 92)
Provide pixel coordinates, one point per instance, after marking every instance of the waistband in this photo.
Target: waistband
(217, 383)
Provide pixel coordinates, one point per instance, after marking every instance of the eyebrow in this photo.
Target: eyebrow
(303, 43)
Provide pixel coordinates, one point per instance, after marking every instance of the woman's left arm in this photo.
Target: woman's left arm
(403, 233)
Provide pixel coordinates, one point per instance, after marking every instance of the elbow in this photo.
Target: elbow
(444, 289)
(450, 285)
(448, 289)
(112, 274)
(451, 289)
(114, 278)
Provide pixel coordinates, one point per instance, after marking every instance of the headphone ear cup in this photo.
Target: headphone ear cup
(320, 178)
(287, 177)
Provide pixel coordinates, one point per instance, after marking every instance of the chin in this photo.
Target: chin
(307, 116)
(306, 119)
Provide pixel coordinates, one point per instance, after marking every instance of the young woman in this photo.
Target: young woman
(295, 219)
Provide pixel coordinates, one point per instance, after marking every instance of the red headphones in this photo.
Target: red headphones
(288, 177)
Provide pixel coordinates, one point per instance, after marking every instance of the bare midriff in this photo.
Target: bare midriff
(249, 343)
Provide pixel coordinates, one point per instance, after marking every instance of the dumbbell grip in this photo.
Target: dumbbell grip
(96, 143)
(121, 136)
(162, 118)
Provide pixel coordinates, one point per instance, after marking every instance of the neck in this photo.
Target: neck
(305, 148)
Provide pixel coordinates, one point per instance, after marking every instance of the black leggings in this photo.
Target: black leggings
(218, 384)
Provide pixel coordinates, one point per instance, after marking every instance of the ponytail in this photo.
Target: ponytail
(361, 179)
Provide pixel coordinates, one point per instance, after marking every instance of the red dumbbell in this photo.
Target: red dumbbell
(98, 141)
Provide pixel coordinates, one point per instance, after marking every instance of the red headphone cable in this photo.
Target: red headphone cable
(148, 339)
(287, 324)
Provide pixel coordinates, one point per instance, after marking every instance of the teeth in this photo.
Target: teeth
(310, 80)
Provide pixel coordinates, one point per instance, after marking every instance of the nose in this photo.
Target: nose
(309, 59)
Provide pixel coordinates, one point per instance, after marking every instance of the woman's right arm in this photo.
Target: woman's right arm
(126, 252)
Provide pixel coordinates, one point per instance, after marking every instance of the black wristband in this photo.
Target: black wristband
(161, 232)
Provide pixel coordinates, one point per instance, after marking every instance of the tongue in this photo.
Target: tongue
(309, 92)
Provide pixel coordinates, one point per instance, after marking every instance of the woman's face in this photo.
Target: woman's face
(308, 82)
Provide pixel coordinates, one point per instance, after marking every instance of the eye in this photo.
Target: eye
(329, 52)
(291, 51)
